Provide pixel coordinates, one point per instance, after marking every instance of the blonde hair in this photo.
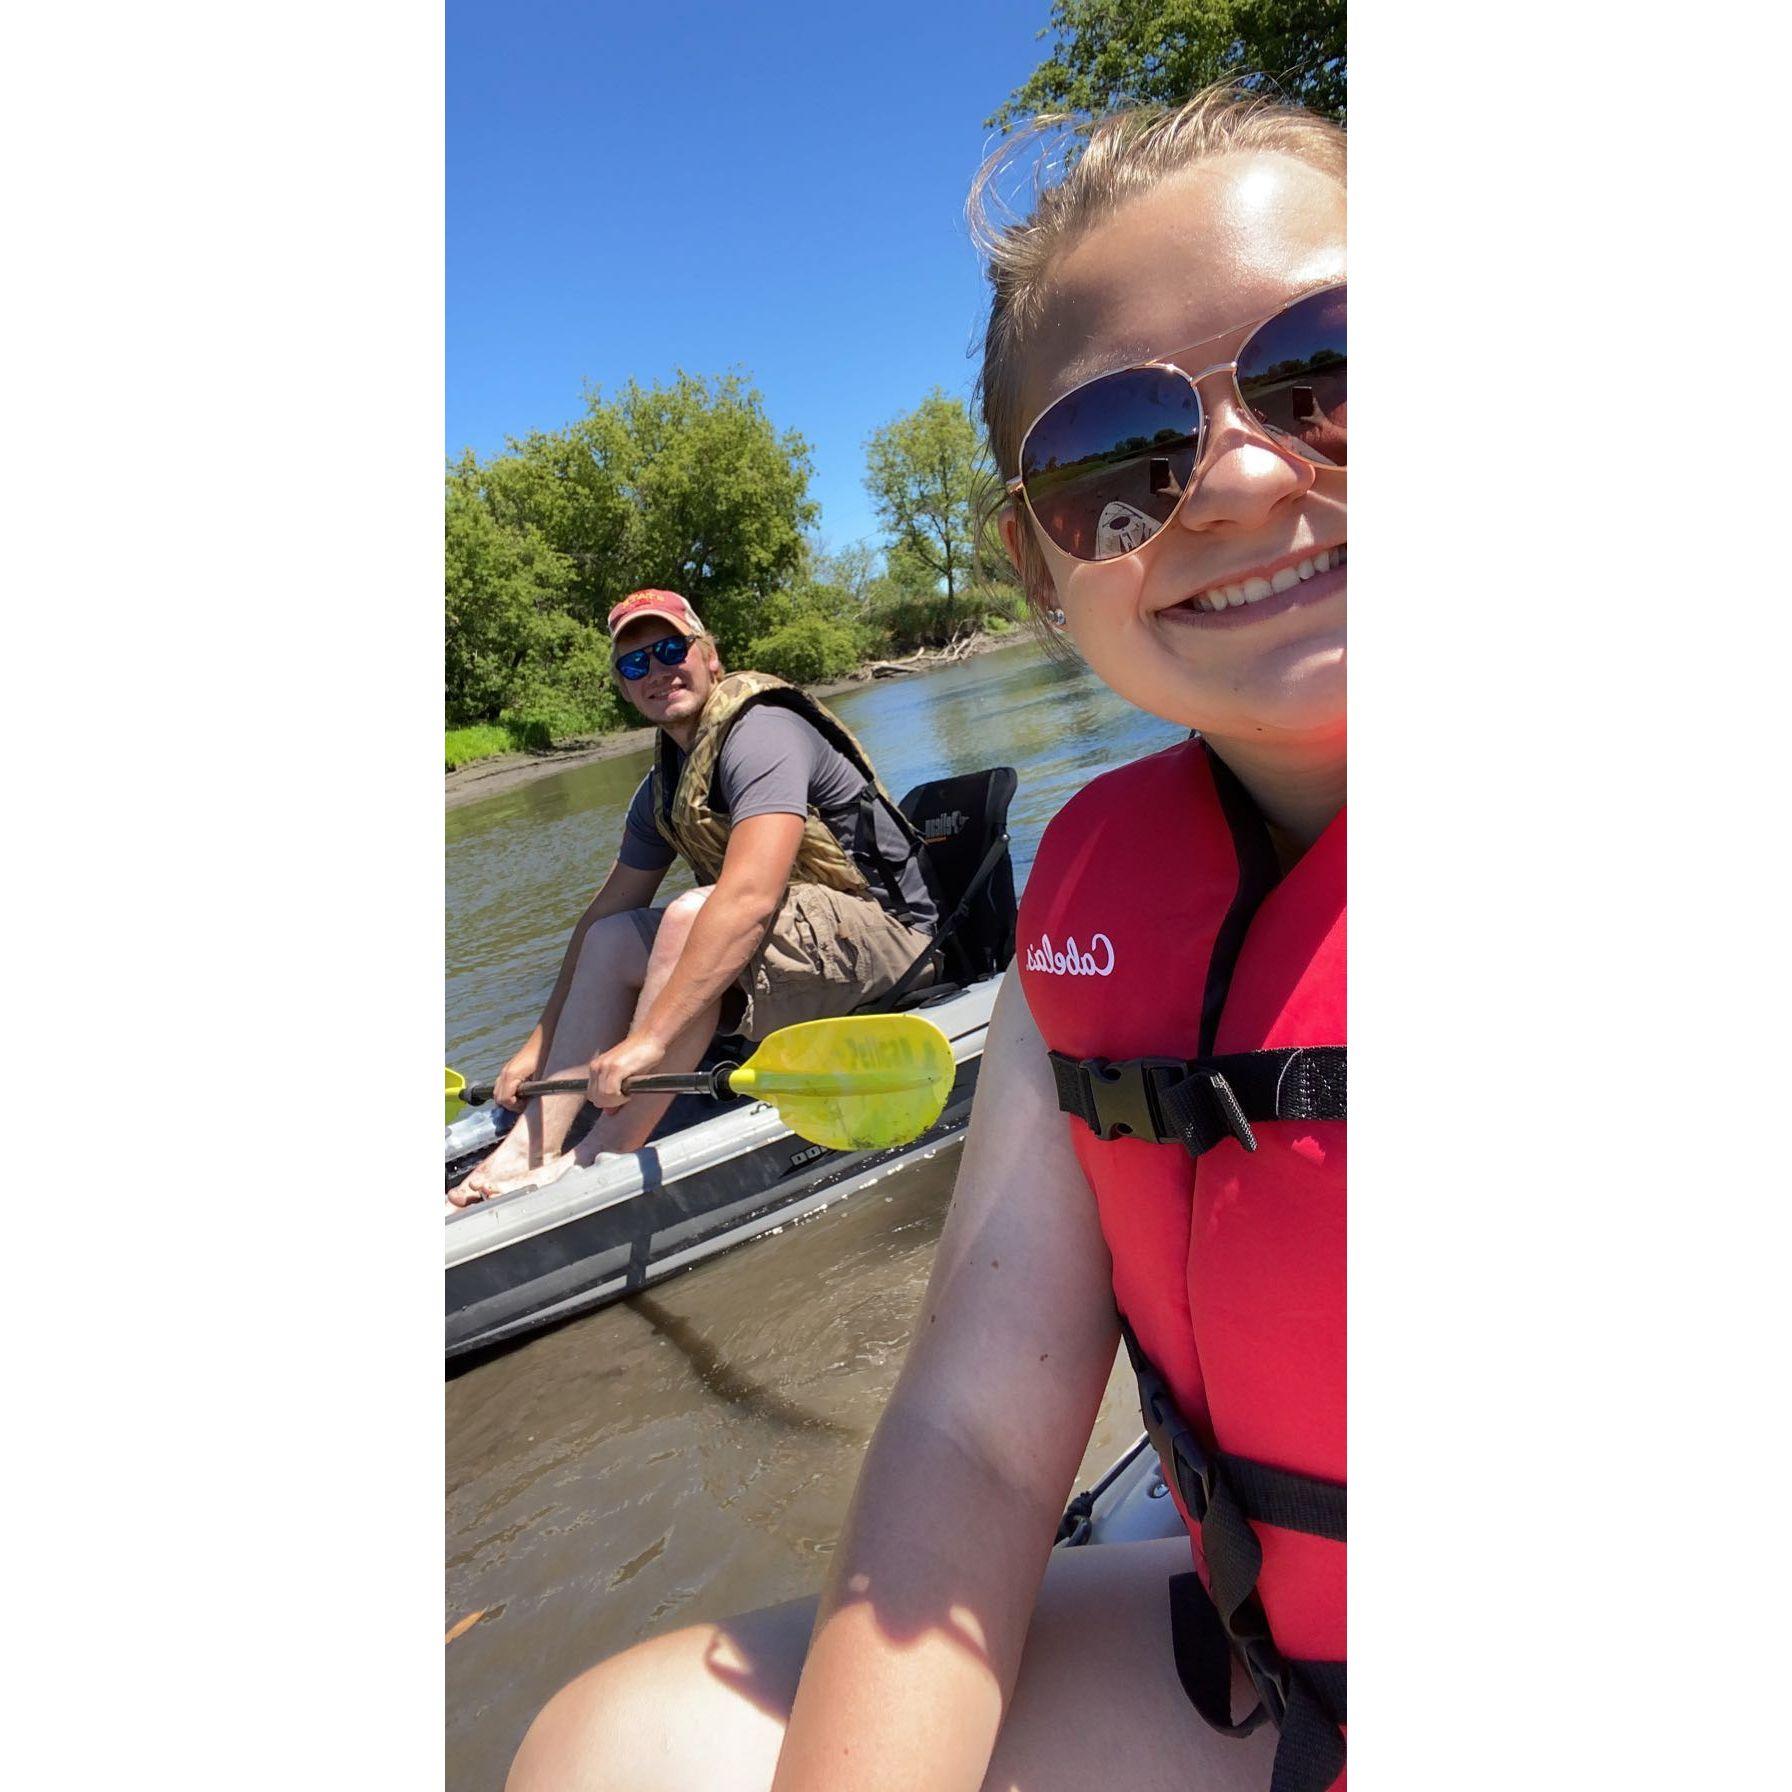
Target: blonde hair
(1124, 155)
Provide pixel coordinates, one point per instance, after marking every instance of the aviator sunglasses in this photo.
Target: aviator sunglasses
(1105, 467)
(670, 652)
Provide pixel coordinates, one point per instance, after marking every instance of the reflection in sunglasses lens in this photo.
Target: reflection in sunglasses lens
(1105, 466)
(673, 651)
(1292, 375)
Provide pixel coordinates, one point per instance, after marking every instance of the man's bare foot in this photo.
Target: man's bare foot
(495, 1177)
(507, 1170)
(512, 1165)
(485, 1185)
(586, 1152)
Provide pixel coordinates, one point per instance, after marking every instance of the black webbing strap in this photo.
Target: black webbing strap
(1257, 1491)
(1204, 1657)
(1310, 1755)
(870, 799)
(1305, 1699)
(945, 929)
(1224, 1495)
(1275, 1496)
(1200, 1102)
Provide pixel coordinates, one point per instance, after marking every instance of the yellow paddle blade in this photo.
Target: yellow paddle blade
(855, 1084)
(456, 1083)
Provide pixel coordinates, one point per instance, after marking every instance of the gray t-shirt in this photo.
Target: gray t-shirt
(775, 763)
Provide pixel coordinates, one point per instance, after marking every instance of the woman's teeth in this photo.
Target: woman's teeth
(1250, 591)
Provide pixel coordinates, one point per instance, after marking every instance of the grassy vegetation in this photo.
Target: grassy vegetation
(543, 720)
(482, 741)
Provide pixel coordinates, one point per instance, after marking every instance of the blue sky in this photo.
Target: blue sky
(774, 187)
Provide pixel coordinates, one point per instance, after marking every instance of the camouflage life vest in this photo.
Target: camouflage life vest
(698, 833)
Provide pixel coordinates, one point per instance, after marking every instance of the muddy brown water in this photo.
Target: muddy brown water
(690, 1452)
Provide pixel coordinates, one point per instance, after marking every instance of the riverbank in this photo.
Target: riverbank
(492, 777)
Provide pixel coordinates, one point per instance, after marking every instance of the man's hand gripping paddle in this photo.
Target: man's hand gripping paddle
(855, 1084)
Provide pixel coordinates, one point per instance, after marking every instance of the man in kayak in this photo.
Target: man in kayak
(811, 898)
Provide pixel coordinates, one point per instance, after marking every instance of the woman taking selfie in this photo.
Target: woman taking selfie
(1157, 1149)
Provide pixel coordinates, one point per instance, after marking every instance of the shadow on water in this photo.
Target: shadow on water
(724, 1381)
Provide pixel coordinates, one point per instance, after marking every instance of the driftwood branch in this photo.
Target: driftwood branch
(961, 646)
(899, 668)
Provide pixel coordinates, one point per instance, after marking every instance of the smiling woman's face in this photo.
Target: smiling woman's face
(1197, 261)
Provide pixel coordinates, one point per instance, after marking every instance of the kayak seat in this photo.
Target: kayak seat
(963, 823)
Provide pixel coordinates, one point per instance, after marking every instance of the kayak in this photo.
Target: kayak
(708, 1180)
(1129, 1504)
(713, 1177)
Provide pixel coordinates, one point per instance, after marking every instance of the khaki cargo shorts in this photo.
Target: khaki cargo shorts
(824, 954)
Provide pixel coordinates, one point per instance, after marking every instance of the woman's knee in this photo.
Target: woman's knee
(603, 1729)
(706, 1703)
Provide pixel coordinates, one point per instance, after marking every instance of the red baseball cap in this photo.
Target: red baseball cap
(667, 604)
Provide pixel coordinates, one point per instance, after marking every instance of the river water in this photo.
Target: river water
(690, 1452)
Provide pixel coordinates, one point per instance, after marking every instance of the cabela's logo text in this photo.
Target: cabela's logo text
(1072, 961)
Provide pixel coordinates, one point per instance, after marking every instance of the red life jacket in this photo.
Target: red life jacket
(1193, 1004)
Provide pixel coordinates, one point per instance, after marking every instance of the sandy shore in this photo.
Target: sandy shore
(492, 777)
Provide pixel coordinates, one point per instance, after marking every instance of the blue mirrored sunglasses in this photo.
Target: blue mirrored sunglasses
(669, 652)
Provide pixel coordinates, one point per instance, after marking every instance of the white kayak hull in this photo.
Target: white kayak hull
(1129, 1504)
(539, 1256)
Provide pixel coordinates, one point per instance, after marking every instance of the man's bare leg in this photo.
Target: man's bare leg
(600, 1002)
(629, 1127)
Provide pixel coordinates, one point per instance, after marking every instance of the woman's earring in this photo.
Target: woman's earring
(1055, 618)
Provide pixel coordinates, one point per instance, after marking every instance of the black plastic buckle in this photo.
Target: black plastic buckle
(1270, 1675)
(1193, 1472)
(1177, 1447)
(1123, 1097)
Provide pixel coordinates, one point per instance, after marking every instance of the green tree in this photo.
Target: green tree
(807, 649)
(1114, 53)
(568, 690)
(827, 587)
(851, 569)
(925, 473)
(505, 590)
(686, 485)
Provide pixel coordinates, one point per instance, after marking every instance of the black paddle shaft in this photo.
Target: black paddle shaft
(713, 1083)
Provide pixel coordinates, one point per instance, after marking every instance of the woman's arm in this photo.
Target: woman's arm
(919, 1632)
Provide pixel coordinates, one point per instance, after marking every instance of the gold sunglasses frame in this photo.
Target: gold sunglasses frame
(1172, 363)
